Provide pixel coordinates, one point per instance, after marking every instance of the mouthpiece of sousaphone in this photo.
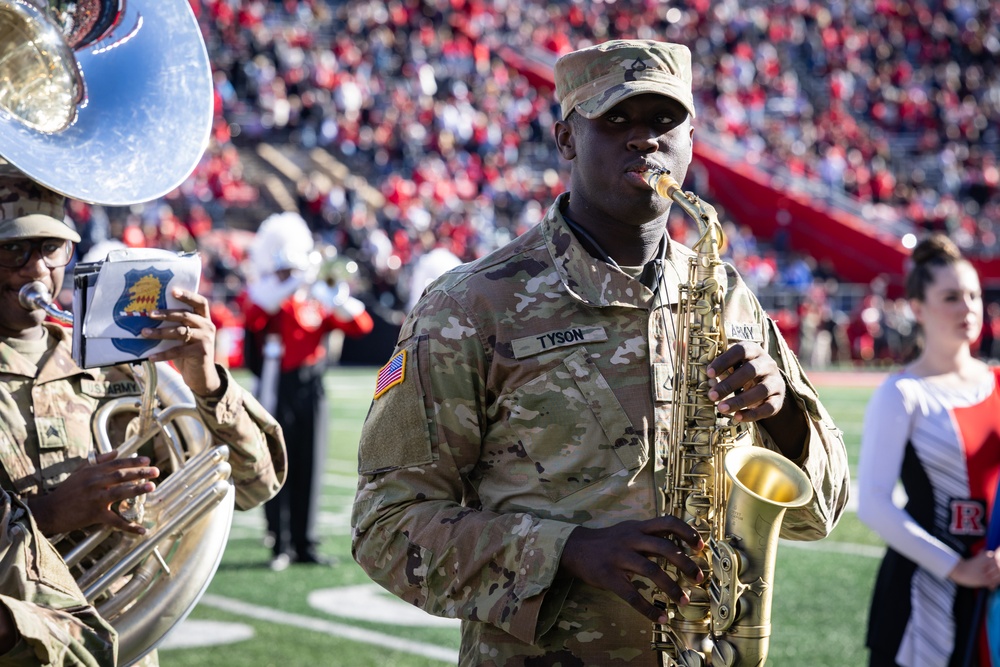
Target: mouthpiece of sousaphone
(36, 296)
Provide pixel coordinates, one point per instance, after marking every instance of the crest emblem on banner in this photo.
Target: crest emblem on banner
(145, 291)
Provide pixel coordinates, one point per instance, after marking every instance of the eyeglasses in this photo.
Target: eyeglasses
(54, 252)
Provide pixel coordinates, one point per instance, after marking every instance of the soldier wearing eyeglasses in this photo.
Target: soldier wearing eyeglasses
(47, 402)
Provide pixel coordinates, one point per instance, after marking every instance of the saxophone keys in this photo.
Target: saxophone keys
(691, 658)
(696, 507)
(723, 654)
(704, 415)
(698, 608)
(704, 307)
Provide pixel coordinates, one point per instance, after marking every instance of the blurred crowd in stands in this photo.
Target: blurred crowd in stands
(440, 108)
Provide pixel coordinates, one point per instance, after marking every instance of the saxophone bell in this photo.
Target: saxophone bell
(764, 484)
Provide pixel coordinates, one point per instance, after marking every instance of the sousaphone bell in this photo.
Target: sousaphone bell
(105, 101)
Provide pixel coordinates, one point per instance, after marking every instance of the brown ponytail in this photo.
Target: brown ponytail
(934, 251)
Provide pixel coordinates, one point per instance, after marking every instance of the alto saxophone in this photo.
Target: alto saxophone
(734, 494)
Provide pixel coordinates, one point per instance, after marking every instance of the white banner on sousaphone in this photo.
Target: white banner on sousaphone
(112, 300)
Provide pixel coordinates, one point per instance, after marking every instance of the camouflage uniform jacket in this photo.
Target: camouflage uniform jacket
(64, 398)
(533, 400)
(55, 624)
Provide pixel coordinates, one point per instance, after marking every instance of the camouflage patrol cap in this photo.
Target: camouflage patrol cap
(29, 210)
(594, 79)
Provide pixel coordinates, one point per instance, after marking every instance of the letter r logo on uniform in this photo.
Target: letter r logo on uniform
(967, 518)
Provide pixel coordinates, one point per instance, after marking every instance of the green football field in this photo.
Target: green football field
(309, 615)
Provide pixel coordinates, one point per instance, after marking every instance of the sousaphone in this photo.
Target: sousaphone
(110, 102)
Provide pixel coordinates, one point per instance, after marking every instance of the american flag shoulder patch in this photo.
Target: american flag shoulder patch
(391, 374)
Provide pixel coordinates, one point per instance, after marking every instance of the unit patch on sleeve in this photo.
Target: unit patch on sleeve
(391, 374)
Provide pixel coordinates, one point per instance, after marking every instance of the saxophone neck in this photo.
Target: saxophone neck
(712, 240)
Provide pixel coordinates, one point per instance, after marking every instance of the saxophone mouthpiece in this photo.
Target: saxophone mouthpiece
(662, 182)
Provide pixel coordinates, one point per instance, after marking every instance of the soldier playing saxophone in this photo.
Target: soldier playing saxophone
(515, 447)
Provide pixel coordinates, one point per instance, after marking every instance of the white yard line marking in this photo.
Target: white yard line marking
(241, 608)
(200, 633)
(370, 602)
(831, 547)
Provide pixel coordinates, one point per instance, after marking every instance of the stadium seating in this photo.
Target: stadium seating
(386, 121)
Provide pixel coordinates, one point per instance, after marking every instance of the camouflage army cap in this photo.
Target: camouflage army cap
(594, 79)
(29, 210)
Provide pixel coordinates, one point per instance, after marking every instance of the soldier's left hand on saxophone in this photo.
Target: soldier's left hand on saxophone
(746, 383)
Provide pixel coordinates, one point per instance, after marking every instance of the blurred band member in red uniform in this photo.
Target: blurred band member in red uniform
(292, 312)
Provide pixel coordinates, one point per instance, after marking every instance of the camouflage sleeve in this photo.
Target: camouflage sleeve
(824, 458)
(256, 445)
(54, 623)
(419, 529)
